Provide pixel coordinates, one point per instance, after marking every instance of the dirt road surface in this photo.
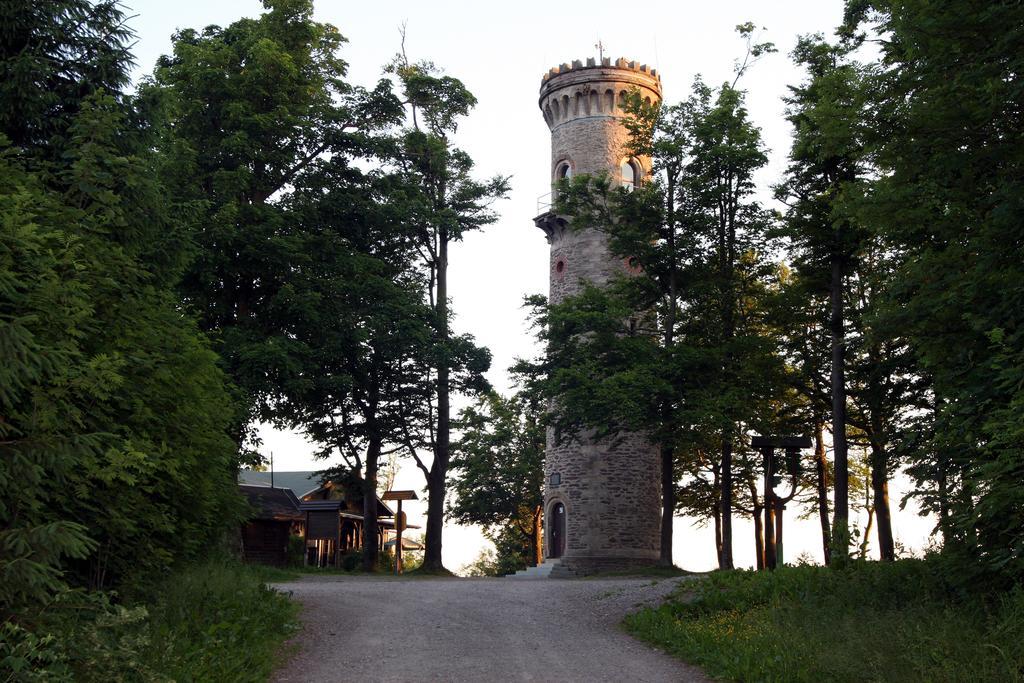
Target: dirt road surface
(385, 629)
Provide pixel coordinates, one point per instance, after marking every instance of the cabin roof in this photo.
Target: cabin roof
(301, 483)
(272, 503)
(407, 544)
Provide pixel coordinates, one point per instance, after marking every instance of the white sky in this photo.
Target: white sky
(500, 51)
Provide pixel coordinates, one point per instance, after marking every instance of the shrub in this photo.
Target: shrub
(351, 560)
(215, 621)
(296, 552)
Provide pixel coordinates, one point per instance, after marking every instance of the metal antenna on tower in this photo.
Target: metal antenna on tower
(600, 48)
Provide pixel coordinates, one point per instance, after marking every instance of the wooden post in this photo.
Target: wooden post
(769, 509)
(398, 540)
(399, 522)
(779, 507)
(774, 504)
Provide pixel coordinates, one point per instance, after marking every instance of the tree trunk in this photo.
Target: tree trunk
(756, 508)
(538, 535)
(726, 561)
(370, 526)
(668, 504)
(717, 516)
(841, 522)
(780, 547)
(943, 487)
(437, 482)
(867, 534)
(716, 513)
(821, 472)
(758, 539)
(668, 464)
(880, 490)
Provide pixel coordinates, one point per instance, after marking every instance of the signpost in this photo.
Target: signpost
(399, 522)
(774, 504)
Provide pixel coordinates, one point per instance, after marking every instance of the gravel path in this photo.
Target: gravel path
(382, 629)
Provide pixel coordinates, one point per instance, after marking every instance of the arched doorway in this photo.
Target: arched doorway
(556, 535)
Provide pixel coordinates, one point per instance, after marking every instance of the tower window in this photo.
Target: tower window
(629, 172)
(564, 171)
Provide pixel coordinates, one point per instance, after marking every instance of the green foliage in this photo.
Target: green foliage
(485, 564)
(214, 621)
(868, 622)
(115, 459)
(946, 203)
(296, 551)
(498, 467)
(217, 622)
(253, 107)
(52, 57)
(81, 636)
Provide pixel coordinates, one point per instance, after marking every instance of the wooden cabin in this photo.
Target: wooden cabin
(276, 517)
(329, 514)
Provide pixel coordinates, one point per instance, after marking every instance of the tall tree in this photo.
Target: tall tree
(450, 204)
(361, 328)
(252, 107)
(827, 159)
(51, 59)
(949, 143)
(727, 151)
(110, 392)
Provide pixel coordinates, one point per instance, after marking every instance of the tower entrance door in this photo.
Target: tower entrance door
(556, 537)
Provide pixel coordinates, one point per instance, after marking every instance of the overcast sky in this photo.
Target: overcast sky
(500, 51)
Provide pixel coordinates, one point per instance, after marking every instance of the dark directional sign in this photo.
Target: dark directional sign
(400, 495)
(786, 442)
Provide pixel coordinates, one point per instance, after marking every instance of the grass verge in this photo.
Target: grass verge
(654, 570)
(870, 622)
(216, 621)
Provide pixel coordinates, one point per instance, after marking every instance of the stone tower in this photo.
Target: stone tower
(601, 502)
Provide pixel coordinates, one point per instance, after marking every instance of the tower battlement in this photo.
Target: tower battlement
(606, 63)
(577, 90)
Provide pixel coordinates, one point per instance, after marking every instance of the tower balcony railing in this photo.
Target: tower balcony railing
(545, 202)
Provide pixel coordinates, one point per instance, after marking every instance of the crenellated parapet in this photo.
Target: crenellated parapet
(620, 63)
(580, 90)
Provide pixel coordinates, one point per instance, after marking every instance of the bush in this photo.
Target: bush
(351, 560)
(80, 636)
(296, 553)
(872, 621)
(215, 621)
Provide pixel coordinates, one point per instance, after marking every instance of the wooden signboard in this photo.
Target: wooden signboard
(399, 522)
(400, 495)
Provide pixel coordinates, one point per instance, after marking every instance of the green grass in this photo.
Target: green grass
(218, 622)
(654, 570)
(286, 574)
(870, 622)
